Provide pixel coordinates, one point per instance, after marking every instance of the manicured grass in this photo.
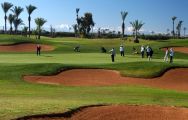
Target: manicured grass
(128, 65)
(19, 98)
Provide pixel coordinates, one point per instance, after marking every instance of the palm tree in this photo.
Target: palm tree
(24, 31)
(184, 29)
(34, 32)
(77, 11)
(17, 22)
(39, 22)
(30, 10)
(6, 6)
(78, 20)
(11, 20)
(52, 31)
(173, 21)
(75, 27)
(17, 11)
(137, 25)
(179, 28)
(86, 23)
(123, 15)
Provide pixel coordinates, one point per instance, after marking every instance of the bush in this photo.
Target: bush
(154, 37)
(59, 34)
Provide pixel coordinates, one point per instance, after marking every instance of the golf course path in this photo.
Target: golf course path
(174, 79)
(179, 49)
(25, 47)
(119, 112)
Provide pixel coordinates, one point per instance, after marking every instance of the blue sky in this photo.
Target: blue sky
(156, 14)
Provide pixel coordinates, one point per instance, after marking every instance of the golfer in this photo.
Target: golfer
(113, 54)
(121, 49)
(149, 52)
(171, 55)
(38, 50)
(142, 51)
(166, 55)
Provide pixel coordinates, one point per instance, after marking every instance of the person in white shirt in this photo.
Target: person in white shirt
(113, 54)
(121, 49)
(166, 55)
(142, 51)
(171, 55)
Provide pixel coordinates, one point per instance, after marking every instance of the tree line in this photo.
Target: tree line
(82, 28)
(86, 23)
(177, 33)
(15, 20)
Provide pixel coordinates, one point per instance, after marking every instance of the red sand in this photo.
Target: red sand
(122, 112)
(25, 47)
(179, 49)
(175, 79)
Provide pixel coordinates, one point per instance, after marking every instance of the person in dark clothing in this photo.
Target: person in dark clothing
(171, 55)
(142, 51)
(151, 52)
(103, 50)
(148, 51)
(38, 50)
(113, 54)
(77, 49)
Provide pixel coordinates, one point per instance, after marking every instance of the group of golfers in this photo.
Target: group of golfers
(148, 50)
(169, 53)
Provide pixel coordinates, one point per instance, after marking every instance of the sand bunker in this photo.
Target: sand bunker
(175, 79)
(25, 47)
(179, 49)
(120, 112)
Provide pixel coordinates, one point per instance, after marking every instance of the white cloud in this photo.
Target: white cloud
(119, 28)
(129, 29)
(46, 26)
(142, 30)
(64, 26)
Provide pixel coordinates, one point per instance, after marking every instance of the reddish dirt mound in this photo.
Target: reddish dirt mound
(176, 79)
(179, 49)
(25, 47)
(125, 113)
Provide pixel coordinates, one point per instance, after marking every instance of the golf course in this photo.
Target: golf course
(93, 60)
(60, 80)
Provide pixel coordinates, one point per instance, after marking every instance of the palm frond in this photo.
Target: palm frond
(137, 25)
(6, 6)
(124, 15)
(17, 10)
(30, 9)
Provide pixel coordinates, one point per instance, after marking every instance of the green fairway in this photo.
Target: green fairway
(19, 98)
